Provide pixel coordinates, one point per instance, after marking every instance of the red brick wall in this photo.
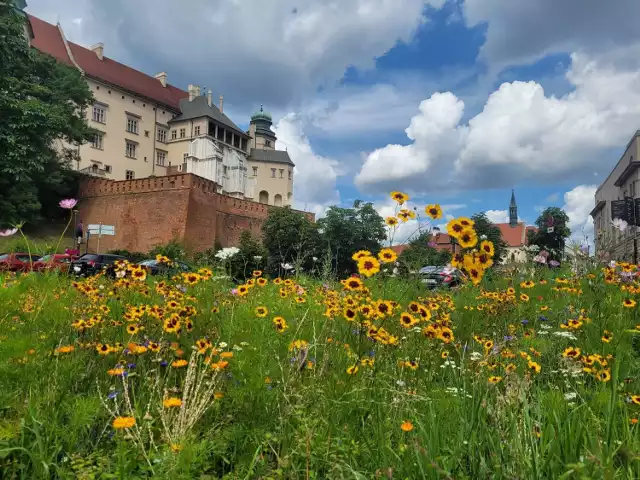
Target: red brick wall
(183, 207)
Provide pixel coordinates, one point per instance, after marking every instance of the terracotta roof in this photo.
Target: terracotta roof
(515, 236)
(48, 40)
(399, 248)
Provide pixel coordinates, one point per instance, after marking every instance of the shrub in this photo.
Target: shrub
(174, 250)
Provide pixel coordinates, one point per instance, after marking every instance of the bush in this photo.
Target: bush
(250, 257)
(133, 257)
(173, 250)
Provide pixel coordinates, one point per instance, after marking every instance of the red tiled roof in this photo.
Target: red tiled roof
(399, 248)
(48, 40)
(515, 236)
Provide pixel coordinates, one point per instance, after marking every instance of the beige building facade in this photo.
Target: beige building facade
(145, 127)
(623, 182)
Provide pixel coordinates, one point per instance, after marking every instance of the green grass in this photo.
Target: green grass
(299, 414)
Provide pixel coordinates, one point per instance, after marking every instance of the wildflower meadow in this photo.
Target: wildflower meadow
(521, 372)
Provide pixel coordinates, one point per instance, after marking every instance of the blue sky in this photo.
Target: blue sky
(453, 101)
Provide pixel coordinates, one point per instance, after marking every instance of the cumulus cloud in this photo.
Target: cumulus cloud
(521, 31)
(314, 175)
(497, 216)
(578, 203)
(521, 135)
(251, 50)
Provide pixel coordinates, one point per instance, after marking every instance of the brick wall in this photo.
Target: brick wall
(184, 207)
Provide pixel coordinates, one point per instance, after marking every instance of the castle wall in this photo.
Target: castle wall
(152, 211)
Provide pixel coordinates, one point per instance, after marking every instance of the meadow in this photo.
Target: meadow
(530, 373)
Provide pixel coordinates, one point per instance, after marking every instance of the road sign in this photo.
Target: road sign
(101, 230)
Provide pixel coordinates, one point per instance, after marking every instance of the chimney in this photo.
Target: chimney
(221, 104)
(162, 76)
(192, 92)
(209, 97)
(197, 90)
(98, 49)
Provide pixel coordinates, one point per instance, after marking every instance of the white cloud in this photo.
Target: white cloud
(314, 175)
(521, 31)
(251, 51)
(578, 202)
(497, 216)
(521, 135)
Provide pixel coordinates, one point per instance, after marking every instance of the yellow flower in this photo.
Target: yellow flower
(65, 349)
(261, 312)
(179, 363)
(387, 255)
(257, 273)
(534, 367)
(571, 352)
(527, 284)
(120, 423)
(368, 266)
(494, 380)
(486, 246)
(399, 197)
(361, 254)
(406, 426)
(468, 238)
(391, 221)
(434, 211)
(171, 402)
(607, 336)
(352, 370)
(629, 303)
(604, 375)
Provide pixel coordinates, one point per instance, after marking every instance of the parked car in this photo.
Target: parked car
(17, 262)
(157, 268)
(94, 263)
(441, 276)
(60, 262)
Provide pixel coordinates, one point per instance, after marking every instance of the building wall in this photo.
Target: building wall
(264, 182)
(117, 103)
(181, 207)
(514, 255)
(606, 235)
(258, 141)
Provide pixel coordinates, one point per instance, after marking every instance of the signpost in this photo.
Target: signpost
(100, 230)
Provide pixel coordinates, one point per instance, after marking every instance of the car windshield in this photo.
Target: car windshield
(45, 258)
(88, 257)
(430, 269)
(149, 263)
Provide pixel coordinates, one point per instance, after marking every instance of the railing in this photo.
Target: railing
(94, 172)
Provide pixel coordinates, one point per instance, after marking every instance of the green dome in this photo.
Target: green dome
(261, 115)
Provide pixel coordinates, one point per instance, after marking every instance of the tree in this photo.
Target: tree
(420, 254)
(42, 104)
(289, 238)
(554, 241)
(248, 259)
(486, 228)
(347, 230)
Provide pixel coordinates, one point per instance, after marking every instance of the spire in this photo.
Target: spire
(513, 210)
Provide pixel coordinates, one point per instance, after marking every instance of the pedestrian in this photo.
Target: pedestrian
(79, 233)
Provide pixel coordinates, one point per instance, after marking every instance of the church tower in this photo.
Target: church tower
(260, 130)
(513, 210)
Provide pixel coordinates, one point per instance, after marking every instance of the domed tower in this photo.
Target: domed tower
(260, 131)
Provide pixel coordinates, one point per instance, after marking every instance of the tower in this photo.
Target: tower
(260, 130)
(513, 210)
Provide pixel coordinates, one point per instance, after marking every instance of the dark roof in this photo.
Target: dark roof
(48, 40)
(597, 208)
(627, 173)
(273, 156)
(199, 107)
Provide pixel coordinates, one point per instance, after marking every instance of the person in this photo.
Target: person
(79, 233)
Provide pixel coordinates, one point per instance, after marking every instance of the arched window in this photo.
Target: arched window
(264, 197)
(277, 200)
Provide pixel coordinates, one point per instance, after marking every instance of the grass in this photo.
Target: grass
(281, 409)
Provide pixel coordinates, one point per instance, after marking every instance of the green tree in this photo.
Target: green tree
(250, 257)
(347, 230)
(42, 105)
(289, 238)
(486, 228)
(421, 254)
(553, 242)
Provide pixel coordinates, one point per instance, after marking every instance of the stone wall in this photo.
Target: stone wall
(151, 211)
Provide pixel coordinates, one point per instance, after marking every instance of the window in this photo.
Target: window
(107, 168)
(97, 141)
(244, 144)
(196, 131)
(174, 134)
(290, 174)
(225, 169)
(130, 175)
(632, 189)
(130, 150)
(273, 173)
(162, 135)
(132, 125)
(281, 173)
(255, 171)
(184, 157)
(183, 132)
(267, 143)
(99, 114)
(161, 157)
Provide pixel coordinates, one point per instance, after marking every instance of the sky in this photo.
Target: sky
(452, 101)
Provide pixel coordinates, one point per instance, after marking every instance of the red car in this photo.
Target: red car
(59, 262)
(17, 262)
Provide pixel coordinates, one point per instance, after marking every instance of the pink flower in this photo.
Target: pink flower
(8, 232)
(68, 203)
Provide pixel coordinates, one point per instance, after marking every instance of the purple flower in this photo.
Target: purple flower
(164, 363)
(68, 203)
(554, 263)
(112, 395)
(432, 244)
(8, 232)
(543, 318)
(508, 338)
(234, 291)
(131, 365)
(524, 321)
